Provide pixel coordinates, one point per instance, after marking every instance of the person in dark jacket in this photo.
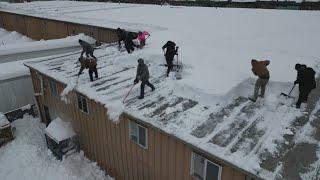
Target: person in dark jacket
(259, 68)
(143, 76)
(86, 48)
(122, 34)
(306, 81)
(170, 52)
(129, 43)
(89, 63)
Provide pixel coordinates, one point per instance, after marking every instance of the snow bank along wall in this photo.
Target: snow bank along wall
(41, 28)
(108, 143)
(304, 5)
(15, 93)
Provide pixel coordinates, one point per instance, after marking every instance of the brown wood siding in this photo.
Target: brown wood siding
(41, 28)
(55, 29)
(108, 143)
(35, 28)
(1, 20)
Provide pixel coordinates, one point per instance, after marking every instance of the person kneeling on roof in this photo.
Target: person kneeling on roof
(306, 81)
(129, 44)
(90, 63)
(259, 68)
(142, 36)
(143, 76)
(86, 48)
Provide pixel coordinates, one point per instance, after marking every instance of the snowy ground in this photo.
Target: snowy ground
(27, 157)
(220, 43)
(10, 38)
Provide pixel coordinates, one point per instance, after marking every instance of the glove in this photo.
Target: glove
(296, 82)
(135, 81)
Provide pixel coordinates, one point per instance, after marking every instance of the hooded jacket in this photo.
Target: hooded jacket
(142, 36)
(305, 77)
(259, 68)
(142, 71)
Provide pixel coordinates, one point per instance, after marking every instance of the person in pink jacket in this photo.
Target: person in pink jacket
(142, 36)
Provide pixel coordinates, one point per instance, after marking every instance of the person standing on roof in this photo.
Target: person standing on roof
(170, 52)
(259, 68)
(90, 63)
(129, 43)
(306, 81)
(86, 48)
(122, 34)
(142, 36)
(143, 76)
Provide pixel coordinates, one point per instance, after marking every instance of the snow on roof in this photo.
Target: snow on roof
(217, 47)
(59, 130)
(3, 121)
(228, 126)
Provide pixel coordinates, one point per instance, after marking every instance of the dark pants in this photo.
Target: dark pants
(143, 83)
(91, 71)
(142, 43)
(303, 96)
(169, 59)
(129, 48)
(91, 54)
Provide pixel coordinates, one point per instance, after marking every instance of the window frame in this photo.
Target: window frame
(137, 134)
(51, 83)
(82, 104)
(193, 154)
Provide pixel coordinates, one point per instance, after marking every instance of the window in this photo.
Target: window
(203, 169)
(82, 103)
(53, 88)
(138, 134)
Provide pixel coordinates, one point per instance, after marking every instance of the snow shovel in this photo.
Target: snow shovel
(288, 95)
(124, 99)
(178, 73)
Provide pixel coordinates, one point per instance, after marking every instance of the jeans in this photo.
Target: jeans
(303, 96)
(260, 84)
(91, 71)
(143, 83)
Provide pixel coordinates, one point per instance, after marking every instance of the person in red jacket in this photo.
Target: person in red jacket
(259, 68)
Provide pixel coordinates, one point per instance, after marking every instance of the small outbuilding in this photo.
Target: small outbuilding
(61, 138)
(6, 133)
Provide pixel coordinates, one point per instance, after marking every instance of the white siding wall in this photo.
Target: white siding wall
(16, 93)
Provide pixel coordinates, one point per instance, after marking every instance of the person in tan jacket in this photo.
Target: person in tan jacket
(259, 68)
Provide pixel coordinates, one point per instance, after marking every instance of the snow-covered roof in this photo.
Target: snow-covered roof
(205, 108)
(228, 127)
(3, 121)
(60, 130)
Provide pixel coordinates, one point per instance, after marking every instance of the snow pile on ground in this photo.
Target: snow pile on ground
(3, 120)
(10, 38)
(28, 158)
(218, 52)
(70, 41)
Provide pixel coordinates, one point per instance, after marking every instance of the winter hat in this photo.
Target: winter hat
(140, 61)
(297, 66)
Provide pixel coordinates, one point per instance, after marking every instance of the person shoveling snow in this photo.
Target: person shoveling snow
(91, 64)
(143, 76)
(259, 68)
(306, 81)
